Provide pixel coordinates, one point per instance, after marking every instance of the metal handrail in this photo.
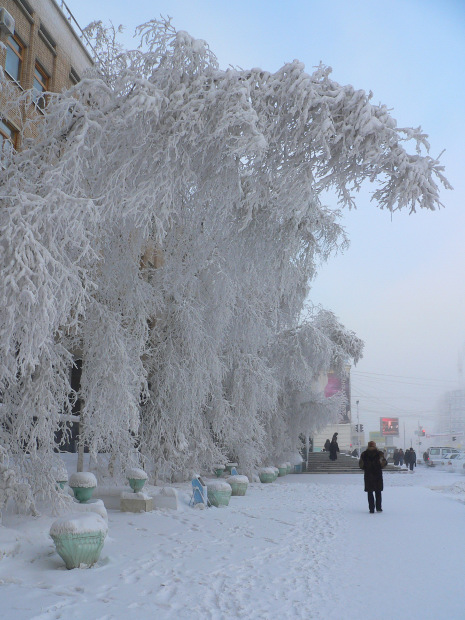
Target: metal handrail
(75, 25)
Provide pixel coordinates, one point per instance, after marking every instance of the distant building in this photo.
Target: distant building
(41, 50)
(451, 423)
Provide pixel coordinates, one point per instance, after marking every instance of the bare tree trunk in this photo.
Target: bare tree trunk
(80, 461)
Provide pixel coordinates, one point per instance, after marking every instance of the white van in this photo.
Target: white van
(437, 454)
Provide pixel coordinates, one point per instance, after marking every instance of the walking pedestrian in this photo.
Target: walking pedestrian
(326, 446)
(406, 457)
(333, 448)
(412, 459)
(372, 462)
(401, 457)
(395, 457)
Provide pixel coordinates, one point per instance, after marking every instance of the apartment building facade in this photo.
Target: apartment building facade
(42, 51)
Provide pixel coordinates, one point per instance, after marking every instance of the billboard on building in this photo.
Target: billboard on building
(389, 427)
(339, 383)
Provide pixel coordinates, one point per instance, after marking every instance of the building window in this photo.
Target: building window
(8, 140)
(26, 7)
(47, 37)
(40, 85)
(73, 76)
(7, 132)
(14, 57)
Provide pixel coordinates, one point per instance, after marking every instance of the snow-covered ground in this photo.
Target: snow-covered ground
(304, 546)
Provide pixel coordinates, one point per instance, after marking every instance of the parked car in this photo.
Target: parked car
(438, 455)
(455, 462)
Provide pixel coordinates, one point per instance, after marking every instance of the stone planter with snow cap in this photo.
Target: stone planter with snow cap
(79, 538)
(267, 474)
(282, 470)
(229, 467)
(137, 478)
(276, 472)
(61, 477)
(219, 492)
(218, 470)
(83, 484)
(238, 484)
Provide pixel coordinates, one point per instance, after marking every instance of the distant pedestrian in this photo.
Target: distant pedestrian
(372, 462)
(407, 457)
(395, 457)
(401, 457)
(326, 446)
(412, 459)
(333, 448)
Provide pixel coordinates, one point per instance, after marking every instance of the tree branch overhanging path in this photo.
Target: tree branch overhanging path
(205, 357)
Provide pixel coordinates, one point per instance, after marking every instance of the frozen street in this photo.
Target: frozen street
(304, 546)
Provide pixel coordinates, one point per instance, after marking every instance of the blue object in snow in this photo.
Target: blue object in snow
(199, 491)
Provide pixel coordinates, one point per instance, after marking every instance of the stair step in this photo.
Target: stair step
(319, 463)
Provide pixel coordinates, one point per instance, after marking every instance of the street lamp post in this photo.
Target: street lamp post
(358, 429)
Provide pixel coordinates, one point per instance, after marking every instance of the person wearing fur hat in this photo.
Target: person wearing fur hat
(372, 462)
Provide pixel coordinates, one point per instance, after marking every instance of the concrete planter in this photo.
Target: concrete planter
(79, 538)
(218, 470)
(136, 484)
(83, 494)
(282, 471)
(267, 474)
(238, 484)
(229, 466)
(83, 485)
(219, 493)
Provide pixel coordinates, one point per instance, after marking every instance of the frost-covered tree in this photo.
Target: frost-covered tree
(200, 354)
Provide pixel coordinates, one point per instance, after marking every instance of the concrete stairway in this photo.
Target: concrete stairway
(319, 463)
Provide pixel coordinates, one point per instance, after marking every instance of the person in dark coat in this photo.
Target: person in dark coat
(412, 458)
(401, 457)
(372, 462)
(395, 457)
(327, 444)
(333, 448)
(406, 457)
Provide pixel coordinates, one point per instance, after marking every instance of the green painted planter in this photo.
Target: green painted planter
(267, 474)
(83, 494)
(79, 538)
(282, 471)
(238, 484)
(218, 471)
(219, 493)
(136, 484)
(77, 549)
(229, 466)
(83, 485)
(62, 483)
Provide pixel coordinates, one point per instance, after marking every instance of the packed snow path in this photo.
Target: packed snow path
(302, 547)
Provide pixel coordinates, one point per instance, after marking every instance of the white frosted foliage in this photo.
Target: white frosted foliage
(165, 228)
